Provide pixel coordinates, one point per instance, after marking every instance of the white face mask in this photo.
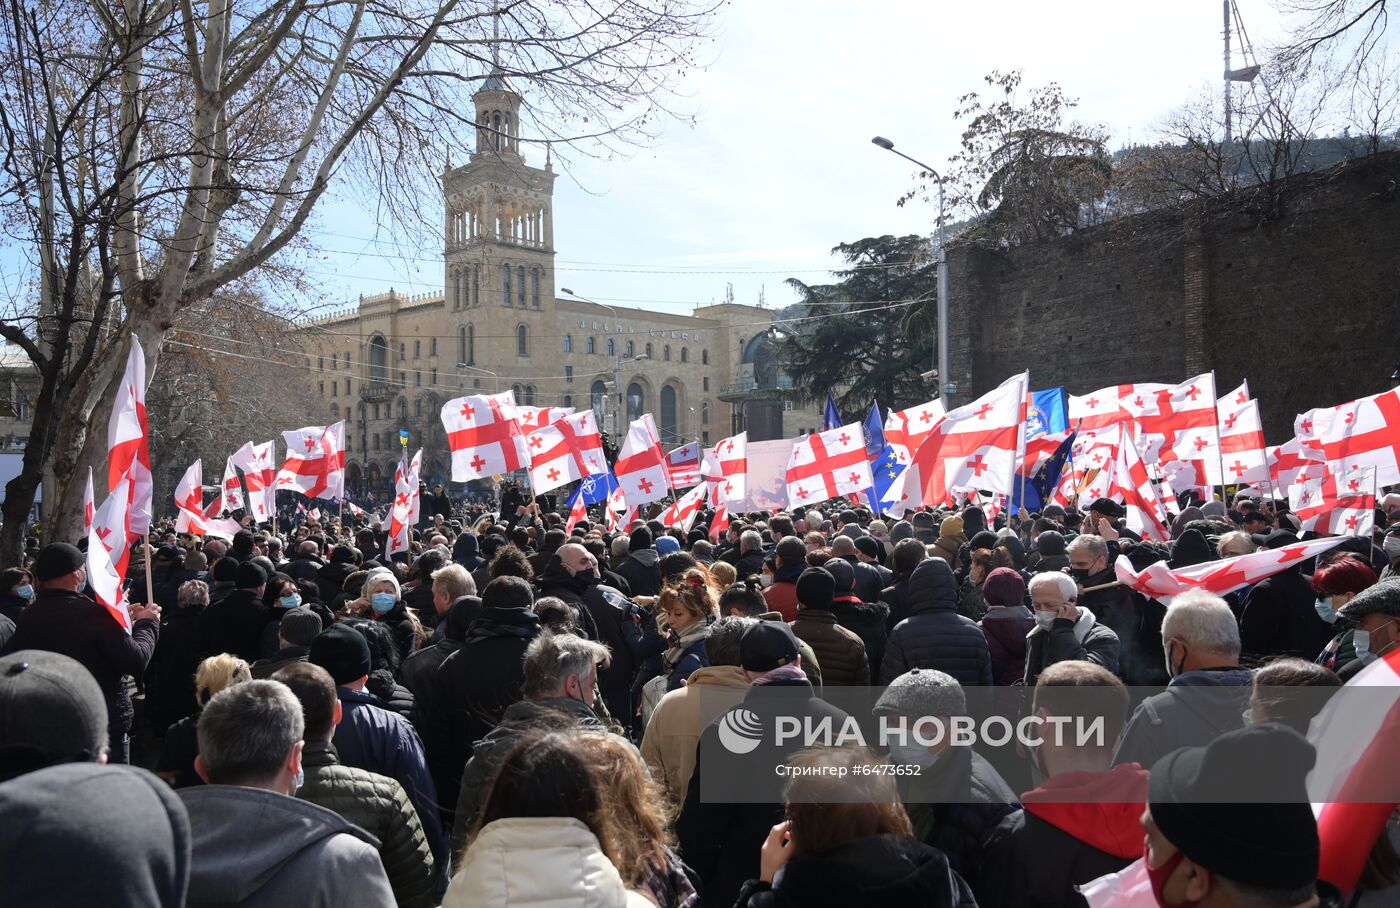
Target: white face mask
(1392, 547)
(1361, 641)
(1325, 610)
(912, 754)
(1044, 620)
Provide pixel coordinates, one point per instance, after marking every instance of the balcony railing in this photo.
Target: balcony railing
(746, 386)
(376, 391)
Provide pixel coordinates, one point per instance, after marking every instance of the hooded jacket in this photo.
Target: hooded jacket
(1076, 827)
(840, 651)
(1005, 629)
(1195, 709)
(467, 552)
(947, 547)
(641, 569)
(1279, 618)
(668, 746)
(1083, 639)
(255, 847)
(378, 805)
(538, 862)
(934, 635)
(235, 625)
(782, 595)
(956, 804)
(871, 870)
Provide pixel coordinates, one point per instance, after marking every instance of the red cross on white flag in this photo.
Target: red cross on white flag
(315, 464)
(827, 465)
(565, 452)
(974, 448)
(403, 512)
(1159, 581)
(1130, 482)
(108, 551)
(189, 500)
(88, 506)
(725, 469)
(906, 429)
(1098, 409)
(128, 440)
(1343, 504)
(1362, 433)
(1174, 422)
(683, 465)
(259, 472)
(683, 510)
(532, 418)
(641, 467)
(485, 436)
(1242, 448)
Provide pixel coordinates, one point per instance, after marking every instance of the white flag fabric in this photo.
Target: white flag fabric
(108, 552)
(1098, 409)
(89, 505)
(975, 447)
(906, 429)
(1242, 449)
(565, 452)
(1289, 466)
(827, 465)
(532, 418)
(683, 465)
(232, 490)
(315, 464)
(1361, 433)
(641, 468)
(484, 435)
(1145, 514)
(683, 510)
(258, 463)
(128, 441)
(725, 468)
(1344, 505)
(401, 517)
(1160, 582)
(1175, 422)
(189, 500)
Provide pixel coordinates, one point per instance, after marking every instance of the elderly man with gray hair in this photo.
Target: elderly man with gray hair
(1065, 630)
(254, 843)
(1208, 692)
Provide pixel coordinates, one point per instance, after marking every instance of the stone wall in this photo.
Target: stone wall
(1305, 306)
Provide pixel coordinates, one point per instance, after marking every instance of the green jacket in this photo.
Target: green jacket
(380, 806)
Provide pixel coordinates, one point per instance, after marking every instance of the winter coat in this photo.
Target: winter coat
(867, 620)
(1136, 620)
(668, 746)
(378, 805)
(935, 635)
(1083, 639)
(177, 753)
(392, 695)
(521, 720)
(871, 870)
(304, 568)
(970, 601)
(1195, 709)
(1005, 628)
(870, 579)
(257, 847)
(419, 600)
(610, 618)
(538, 862)
(1279, 618)
(70, 623)
(12, 606)
(1076, 827)
(782, 595)
(720, 839)
(170, 675)
(687, 662)
(405, 636)
(811, 665)
(266, 668)
(947, 548)
(840, 651)
(418, 669)
(956, 805)
(234, 625)
(372, 738)
(466, 551)
(896, 596)
(330, 580)
(749, 564)
(642, 571)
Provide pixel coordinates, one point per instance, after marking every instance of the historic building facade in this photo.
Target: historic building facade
(392, 360)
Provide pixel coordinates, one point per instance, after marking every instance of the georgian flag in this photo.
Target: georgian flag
(315, 464)
(1145, 514)
(109, 550)
(683, 466)
(641, 468)
(232, 491)
(128, 441)
(1099, 409)
(484, 435)
(565, 452)
(1242, 448)
(683, 510)
(1344, 505)
(725, 468)
(1160, 582)
(401, 516)
(1361, 433)
(532, 418)
(1289, 466)
(1174, 422)
(577, 513)
(615, 505)
(189, 499)
(827, 465)
(975, 447)
(259, 472)
(906, 429)
(88, 506)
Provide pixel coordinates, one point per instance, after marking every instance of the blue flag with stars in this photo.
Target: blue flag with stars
(1048, 413)
(594, 489)
(831, 419)
(1041, 486)
(884, 463)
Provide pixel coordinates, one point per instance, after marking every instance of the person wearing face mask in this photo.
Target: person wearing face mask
(1376, 611)
(1221, 832)
(1336, 583)
(560, 691)
(1208, 692)
(1081, 820)
(1064, 629)
(386, 606)
(253, 841)
(1280, 615)
(958, 798)
(1391, 545)
(16, 592)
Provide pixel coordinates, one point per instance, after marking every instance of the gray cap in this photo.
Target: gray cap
(1383, 597)
(51, 711)
(299, 626)
(923, 692)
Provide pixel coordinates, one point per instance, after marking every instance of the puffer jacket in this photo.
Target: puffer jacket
(956, 805)
(1083, 639)
(642, 572)
(934, 635)
(871, 870)
(519, 862)
(378, 805)
(840, 651)
(1005, 628)
(867, 620)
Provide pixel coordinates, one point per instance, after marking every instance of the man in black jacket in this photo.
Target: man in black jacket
(641, 568)
(935, 635)
(235, 624)
(1279, 617)
(63, 620)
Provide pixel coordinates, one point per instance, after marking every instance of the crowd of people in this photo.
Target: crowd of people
(517, 714)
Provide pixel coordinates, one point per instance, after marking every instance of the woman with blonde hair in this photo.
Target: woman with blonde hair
(641, 815)
(176, 763)
(686, 611)
(847, 841)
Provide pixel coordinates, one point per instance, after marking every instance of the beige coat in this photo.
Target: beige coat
(674, 730)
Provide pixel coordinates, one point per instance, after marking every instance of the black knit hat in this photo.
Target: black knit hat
(816, 588)
(342, 651)
(767, 645)
(57, 560)
(250, 576)
(1107, 507)
(1239, 806)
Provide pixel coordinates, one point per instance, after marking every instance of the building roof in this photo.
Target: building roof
(496, 82)
(12, 358)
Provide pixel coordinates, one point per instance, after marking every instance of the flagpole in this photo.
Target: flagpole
(1219, 446)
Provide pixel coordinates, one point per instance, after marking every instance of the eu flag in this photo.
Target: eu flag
(595, 489)
(1039, 487)
(884, 464)
(1048, 413)
(830, 418)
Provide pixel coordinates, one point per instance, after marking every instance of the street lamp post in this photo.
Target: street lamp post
(617, 361)
(946, 385)
(493, 375)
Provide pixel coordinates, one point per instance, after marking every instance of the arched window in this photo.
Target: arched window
(568, 400)
(705, 413)
(470, 358)
(402, 352)
(462, 344)
(591, 346)
(505, 284)
(520, 285)
(418, 407)
(529, 395)
(476, 285)
(403, 409)
(534, 288)
(519, 392)
(568, 343)
(685, 354)
(704, 357)
(522, 341)
(456, 289)
(648, 351)
(631, 349)
(612, 347)
(335, 412)
(666, 353)
(636, 401)
(598, 395)
(378, 360)
(667, 425)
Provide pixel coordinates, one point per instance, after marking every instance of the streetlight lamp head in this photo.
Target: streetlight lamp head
(566, 290)
(637, 359)
(463, 366)
(878, 140)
